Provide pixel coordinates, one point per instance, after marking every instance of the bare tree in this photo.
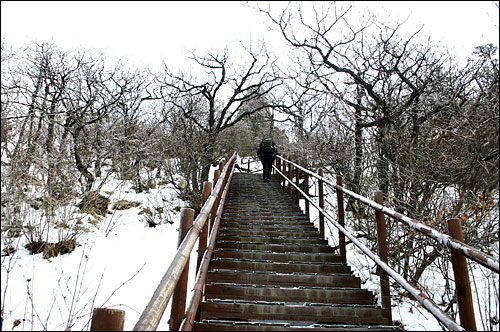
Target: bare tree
(427, 126)
(219, 100)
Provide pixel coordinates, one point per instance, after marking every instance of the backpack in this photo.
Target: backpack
(267, 147)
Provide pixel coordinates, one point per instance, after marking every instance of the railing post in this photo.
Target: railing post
(278, 166)
(385, 291)
(216, 175)
(226, 177)
(248, 165)
(462, 283)
(202, 243)
(104, 319)
(306, 189)
(286, 170)
(224, 181)
(283, 170)
(272, 169)
(290, 178)
(321, 202)
(213, 212)
(297, 181)
(340, 207)
(179, 296)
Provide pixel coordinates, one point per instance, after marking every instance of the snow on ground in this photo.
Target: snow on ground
(120, 263)
(117, 265)
(405, 310)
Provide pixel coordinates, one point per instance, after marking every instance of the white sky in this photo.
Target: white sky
(461, 25)
(145, 33)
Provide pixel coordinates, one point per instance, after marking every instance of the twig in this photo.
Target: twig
(125, 282)
(93, 300)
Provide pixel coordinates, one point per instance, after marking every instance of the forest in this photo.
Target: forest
(377, 103)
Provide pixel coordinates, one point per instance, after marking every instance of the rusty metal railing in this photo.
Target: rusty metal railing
(188, 321)
(174, 282)
(458, 248)
(486, 260)
(153, 313)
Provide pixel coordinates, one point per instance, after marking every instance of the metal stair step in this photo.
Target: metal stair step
(269, 226)
(272, 271)
(283, 279)
(254, 206)
(277, 256)
(272, 239)
(309, 312)
(293, 211)
(252, 213)
(236, 231)
(282, 267)
(270, 325)
(288, 294)
(263, 214)
(281, 221)
(275, 247)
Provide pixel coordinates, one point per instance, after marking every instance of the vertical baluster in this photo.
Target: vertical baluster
(213, 212)
(297, 182)
(340, 207)
(385, 291)
(202, 243)
(462, 283)
(283, 169)
(306, 189)
(278, 166)
(321, 205)
(179, 296)
(290, 178)
(104, 319)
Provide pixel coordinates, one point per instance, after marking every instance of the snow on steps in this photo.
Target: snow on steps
(272, 272)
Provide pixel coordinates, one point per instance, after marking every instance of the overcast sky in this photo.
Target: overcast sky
(145, 33)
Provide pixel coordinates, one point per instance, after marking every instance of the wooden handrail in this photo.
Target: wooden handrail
(213, 208)
(426, 302)
(188, 322)
(476, 255)
(152, 314)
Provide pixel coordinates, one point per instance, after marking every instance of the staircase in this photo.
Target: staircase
(271, 270)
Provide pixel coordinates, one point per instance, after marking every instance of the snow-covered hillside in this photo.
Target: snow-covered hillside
(120, 261)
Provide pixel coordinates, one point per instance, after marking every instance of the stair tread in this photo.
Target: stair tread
(228, 259)
(276, 247)
(271, 270)
(288, 294)
(285, 287)
(270, 251)
(292, 304)
(277, 256)
(296, 279)
(274, 244)
(301, 311)
(276, 325)
(283, 273)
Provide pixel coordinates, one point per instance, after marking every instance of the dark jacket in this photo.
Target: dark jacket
(261, 154)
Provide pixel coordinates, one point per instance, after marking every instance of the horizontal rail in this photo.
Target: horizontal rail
(419, 296)
(152, 314)
(476, 255)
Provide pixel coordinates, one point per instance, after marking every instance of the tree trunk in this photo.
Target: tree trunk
(50, 155)
(79, 163)
(358, 163)
(382, 162)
